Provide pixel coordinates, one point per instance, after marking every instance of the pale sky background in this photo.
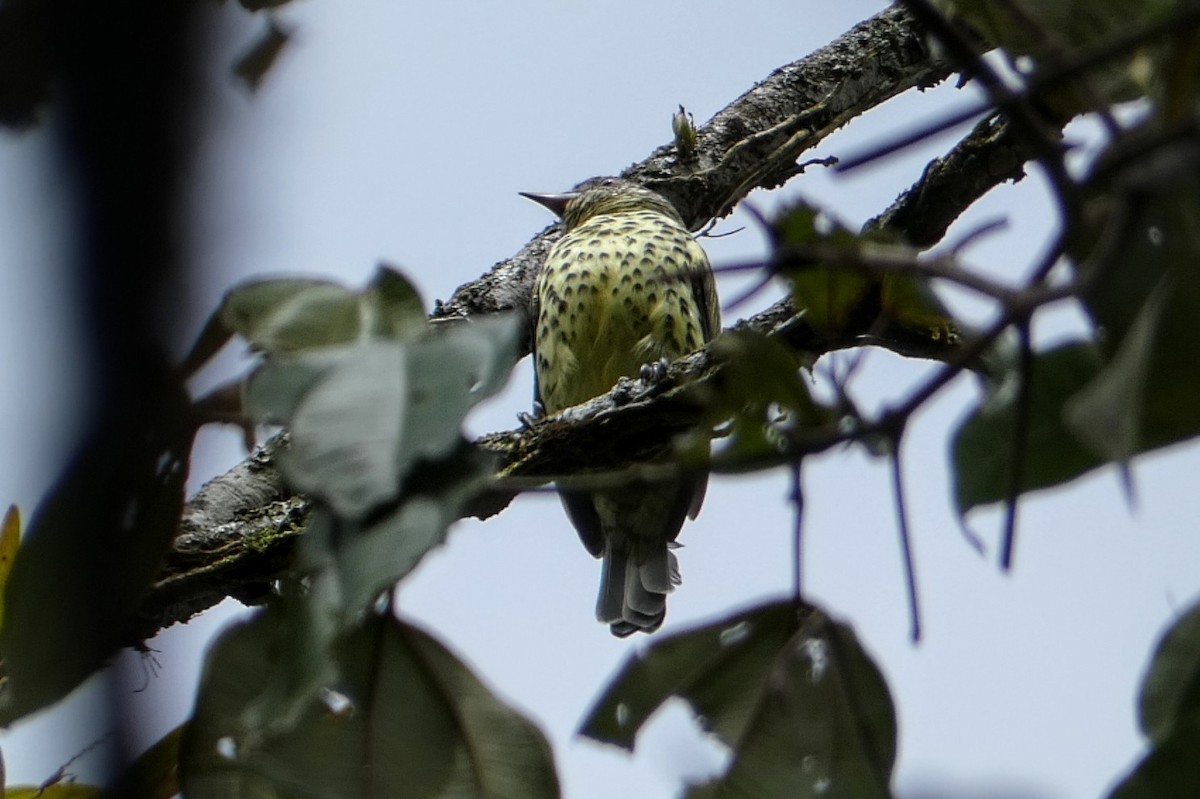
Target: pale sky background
(403, 132)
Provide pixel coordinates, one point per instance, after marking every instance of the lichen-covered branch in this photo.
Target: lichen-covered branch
(753, 142)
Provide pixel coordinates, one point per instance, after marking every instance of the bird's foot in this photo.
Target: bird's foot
(528, 420)
(653, 373)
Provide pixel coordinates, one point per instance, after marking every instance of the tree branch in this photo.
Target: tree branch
(754, 142)
(238, 532)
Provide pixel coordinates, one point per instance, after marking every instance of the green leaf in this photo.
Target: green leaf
(982, 450)
(762, 390)
(91, 548)
(284, 316)
(392, 306)
(57, 790)
(830, 296)
(291, 315)
(361, 416)
(1171, 691)
(1106, 414)
(407, 718)
(373, 557)
(1142, 288)
(1050, 31)
(804, 708)
(347, 567)
(825, 263)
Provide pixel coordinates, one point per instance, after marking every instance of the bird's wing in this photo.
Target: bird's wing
(704, 289)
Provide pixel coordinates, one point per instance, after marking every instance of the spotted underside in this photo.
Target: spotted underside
(617, 292)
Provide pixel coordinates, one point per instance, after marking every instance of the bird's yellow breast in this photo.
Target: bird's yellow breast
(615, 293)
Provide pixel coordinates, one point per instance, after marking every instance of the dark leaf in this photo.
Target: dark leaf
(1144, 292)
(91, 548)
(261, 5)
(1053, 30)
(803, 707)
(1171, 691)
(155, 772)
(831, 295)
(347, 567)
(407, 718)
(253, 65)
(826, 265)
(764, 393)
(983, 444)
(26, 60)
(1170, 771)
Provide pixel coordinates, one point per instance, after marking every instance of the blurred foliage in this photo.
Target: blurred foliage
(1169, 715)
(830, 270)
(91, 548)
(792, 693)
(326, 693)
(403, 718)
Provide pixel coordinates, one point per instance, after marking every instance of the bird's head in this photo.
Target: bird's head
(603, 196)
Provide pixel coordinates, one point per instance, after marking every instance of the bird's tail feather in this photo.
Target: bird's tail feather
(633, 596)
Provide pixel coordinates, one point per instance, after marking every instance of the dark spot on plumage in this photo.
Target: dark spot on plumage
(628, 303)
(580, 306)
(562, 336)
(637, 271)
(626, 279)
(638, 286)
(615, 291)
(562, 306)
(647, 263)
(669, 322)
(569, 290)
(594, 242)
(554, 323)
(652, 298)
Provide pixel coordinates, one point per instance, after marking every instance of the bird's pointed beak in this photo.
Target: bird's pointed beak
(557, 203)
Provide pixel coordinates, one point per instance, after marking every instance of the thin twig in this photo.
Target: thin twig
(797, 498)
(910, 573)
(1016, 462)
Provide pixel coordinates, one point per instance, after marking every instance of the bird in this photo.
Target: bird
(625, 286)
